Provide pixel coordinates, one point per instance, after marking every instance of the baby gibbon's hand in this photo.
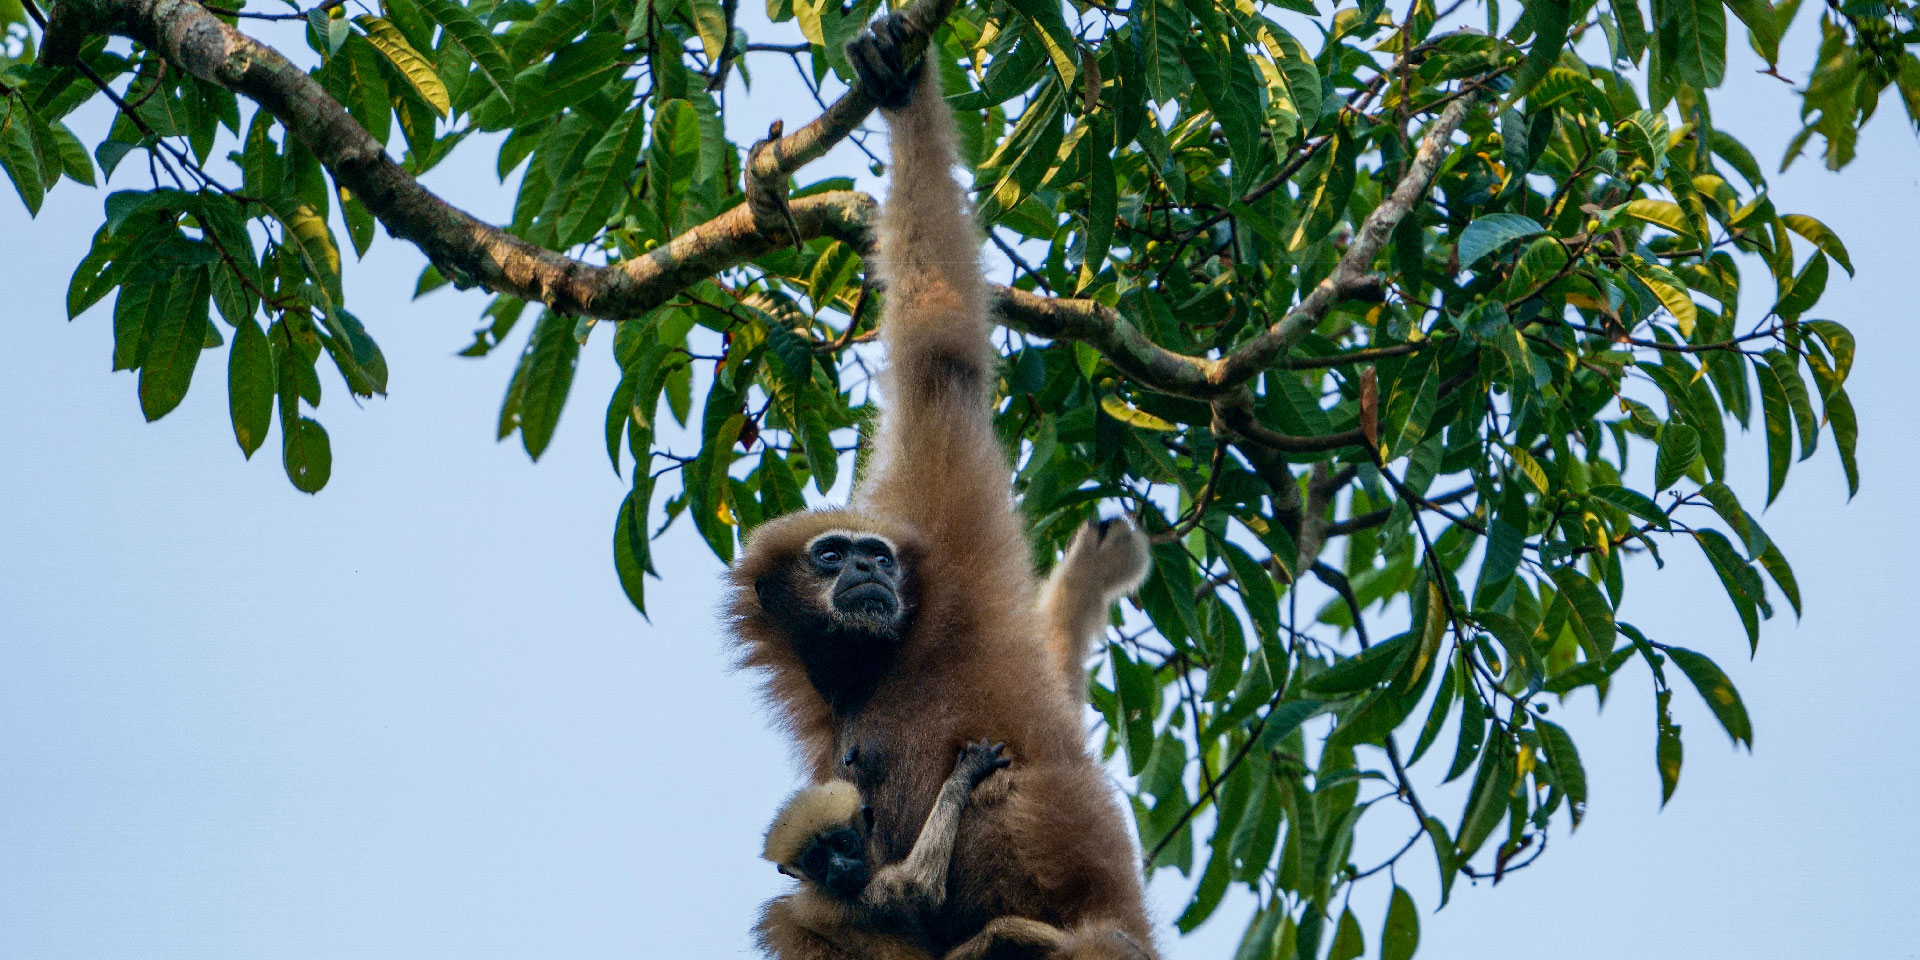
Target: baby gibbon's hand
(978, 760)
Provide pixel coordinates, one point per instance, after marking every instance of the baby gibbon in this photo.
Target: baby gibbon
(820, 837)
(896, 629)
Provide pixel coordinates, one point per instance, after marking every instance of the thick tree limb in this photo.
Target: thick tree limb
(466, 249)
(475, 253)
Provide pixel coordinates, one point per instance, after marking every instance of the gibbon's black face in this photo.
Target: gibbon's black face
(844, 600)
(836, 861)
(864, 575)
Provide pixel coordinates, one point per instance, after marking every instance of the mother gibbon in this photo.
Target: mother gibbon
(895, 630)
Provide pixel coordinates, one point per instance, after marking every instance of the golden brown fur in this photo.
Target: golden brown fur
(1107, 560)
(1044, 840)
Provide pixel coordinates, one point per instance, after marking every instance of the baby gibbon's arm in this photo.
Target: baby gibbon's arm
(920, 881)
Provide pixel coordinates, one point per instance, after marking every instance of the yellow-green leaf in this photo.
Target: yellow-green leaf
(388, 39)
(1127, 413)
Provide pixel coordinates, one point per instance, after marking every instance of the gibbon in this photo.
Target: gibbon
(1108, 559)
(894, 630)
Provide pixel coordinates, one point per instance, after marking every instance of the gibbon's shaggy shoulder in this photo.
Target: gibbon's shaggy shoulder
(962, 654)
(808, 813)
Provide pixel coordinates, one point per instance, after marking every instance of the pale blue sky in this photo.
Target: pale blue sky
(414, 717)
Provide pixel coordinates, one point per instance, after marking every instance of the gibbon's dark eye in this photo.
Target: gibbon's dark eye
(846, 843)
(885, 560)
(830, 552)
(814, 861)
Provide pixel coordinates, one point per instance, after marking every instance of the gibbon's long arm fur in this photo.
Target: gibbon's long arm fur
(895, 630)
(1108, 559)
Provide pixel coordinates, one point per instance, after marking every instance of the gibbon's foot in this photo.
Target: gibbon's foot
(880, 63)
(980, 759)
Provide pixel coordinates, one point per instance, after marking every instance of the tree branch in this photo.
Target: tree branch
(465, 249)
(471, 252)
(1255, 355)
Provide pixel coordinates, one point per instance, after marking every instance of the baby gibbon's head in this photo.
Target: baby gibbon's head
(819, 836)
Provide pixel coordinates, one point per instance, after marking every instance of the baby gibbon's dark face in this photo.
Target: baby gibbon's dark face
(861, 576)
(836, 860)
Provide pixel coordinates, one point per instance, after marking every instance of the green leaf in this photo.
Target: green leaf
(541, 382)
(1538, 264)
(630, 545)
(1775, 563)
(1718, 691)
(307, 232)
(822, 460)
(174, 339)
(1778, 418)
(1348, 942)
(1119, 409)
(1401, 936)
(1284, 718)
(1806, 290)
(1567, 771)
(1134, 685)
(1049, 27)
(1721, 497)
(130, 321)
(1698, 32)
(673, 156)
(1762, 27)
(473, 38)
(710, 22)
(1743, 586)
(1679, 445)
(1633, 502)
(552, 28)
(1846, 433)
(307, 455)
(1788, 373)
(1660, 213)
(251, 386)
(1823, 237)
(1840, 345)
(1473, 727)
(1487, 798)
(1550, 20)
(19, 156)
(74, 160)
(1672, 294)
(603, 179)
(392, 44)
(1363, 670)
(1667, 750)
(1588, 613)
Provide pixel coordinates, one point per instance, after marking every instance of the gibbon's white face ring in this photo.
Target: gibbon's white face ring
(853, 535)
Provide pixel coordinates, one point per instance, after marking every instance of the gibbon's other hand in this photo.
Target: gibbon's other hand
(879, 60)
(978, 760)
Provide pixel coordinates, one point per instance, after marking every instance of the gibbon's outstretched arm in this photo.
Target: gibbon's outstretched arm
(937, 463)
(1107, 560)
